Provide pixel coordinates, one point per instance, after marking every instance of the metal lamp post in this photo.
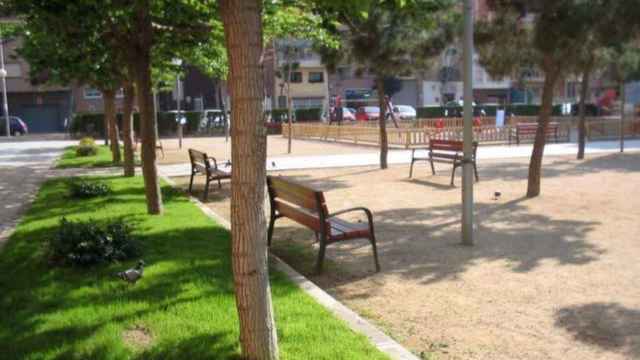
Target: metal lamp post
(178, 62)
(5, 103)
(467, 166)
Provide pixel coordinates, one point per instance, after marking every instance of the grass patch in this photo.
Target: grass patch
(183, 308)
(69, 159)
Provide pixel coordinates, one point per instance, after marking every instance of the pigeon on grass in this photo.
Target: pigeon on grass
(134, 274)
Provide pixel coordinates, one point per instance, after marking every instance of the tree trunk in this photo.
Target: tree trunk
(109, 97)
(584, 91)
(243, 36)
(535, 165)
(289, 110)
(384, 143)
(142, 68)
(127, 129)
(623, 100)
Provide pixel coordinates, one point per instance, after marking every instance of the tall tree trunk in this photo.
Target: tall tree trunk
(142, 68)
(243, 36)
(109, 97)
(289, 105)
(384, 142)
(535, 165)
(127, 129)
(623, 100)
(584, 92)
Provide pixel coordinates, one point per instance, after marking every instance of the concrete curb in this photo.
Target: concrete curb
(358, 324)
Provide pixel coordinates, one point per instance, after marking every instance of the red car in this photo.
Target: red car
(366, 113)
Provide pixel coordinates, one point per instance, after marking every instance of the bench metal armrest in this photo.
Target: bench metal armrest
(360, 208)
(215, 163)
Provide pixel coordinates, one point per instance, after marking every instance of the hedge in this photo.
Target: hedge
(300, 115)
(93, 123)
(430, 112)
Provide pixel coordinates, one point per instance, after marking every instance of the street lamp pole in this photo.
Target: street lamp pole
(467, 165)
(5, 103)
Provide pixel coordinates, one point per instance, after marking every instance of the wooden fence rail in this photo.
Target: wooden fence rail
(406, 137)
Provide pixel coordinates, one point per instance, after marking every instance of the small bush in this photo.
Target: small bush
(83, 189)
(87, 141)
(87, 147)
(86, 243)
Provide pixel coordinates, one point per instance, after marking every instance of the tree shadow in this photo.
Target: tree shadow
(422, 244)
(510, 170)
(609, 326)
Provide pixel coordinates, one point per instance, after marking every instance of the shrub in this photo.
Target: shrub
(86, 243)
(87, 141)
(83, 189)
(87, 147)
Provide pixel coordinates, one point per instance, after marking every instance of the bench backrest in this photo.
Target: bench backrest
(533, 127)
(297, 202)
(446, 145)
(200, 160)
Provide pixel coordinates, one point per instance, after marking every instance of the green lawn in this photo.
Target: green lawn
(69, 159)
(185, 300)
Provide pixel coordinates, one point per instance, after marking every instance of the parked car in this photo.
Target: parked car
(366, 113)
(17, 126)
(211, 118)
(405, 112)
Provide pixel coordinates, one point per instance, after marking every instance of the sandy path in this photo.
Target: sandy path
(553, 277)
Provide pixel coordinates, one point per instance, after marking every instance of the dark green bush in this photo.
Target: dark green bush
(86, 243)
(87, 147)
(83, 189)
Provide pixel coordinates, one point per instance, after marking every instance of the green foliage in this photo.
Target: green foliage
(70, 158)
(188, 278)
(312, 114)
(87, 147)
(87, 141)
(390, 38)
(80, 188)
(93, 123)
(85, 243)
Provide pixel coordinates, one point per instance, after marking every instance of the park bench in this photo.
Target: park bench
(528, 130)
(307, 207)
(207, 166)
(447, 151)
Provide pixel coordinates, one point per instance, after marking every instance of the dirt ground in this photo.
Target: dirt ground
(276, 146)
(555, 277)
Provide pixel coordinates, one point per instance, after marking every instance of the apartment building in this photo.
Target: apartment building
(308, 80)
(44, 108)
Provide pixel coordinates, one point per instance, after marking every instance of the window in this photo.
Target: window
(92, 93)
(296, 77)
(316, 77)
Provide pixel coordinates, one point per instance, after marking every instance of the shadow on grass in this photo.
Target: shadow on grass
(609, 326)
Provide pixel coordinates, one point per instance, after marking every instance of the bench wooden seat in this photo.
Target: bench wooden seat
(529, 130)
(307, 207)
(447, 151)
(207, 166)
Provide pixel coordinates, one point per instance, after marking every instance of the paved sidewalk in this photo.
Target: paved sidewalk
(404, 156)
(23, 167)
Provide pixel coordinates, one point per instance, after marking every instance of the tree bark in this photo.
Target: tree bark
(127, 129)
(142, 68)
(623, 100)
(384, 142)
(546, 108)
(109, 97)
(289, 105)
(584, 91)
(243, 36)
